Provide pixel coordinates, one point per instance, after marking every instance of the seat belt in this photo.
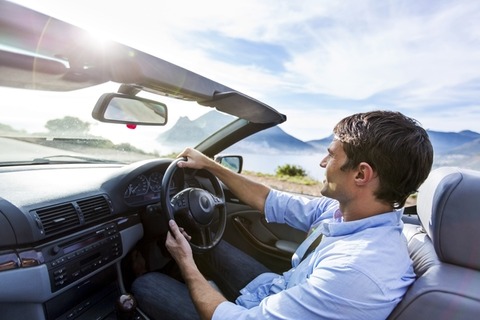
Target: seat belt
(312, 241)
(306, 247)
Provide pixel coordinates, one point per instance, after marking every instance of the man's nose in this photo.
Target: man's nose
(323, 163)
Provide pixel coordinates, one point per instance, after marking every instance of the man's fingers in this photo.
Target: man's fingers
(174, 228)
(177, 243)
(170, 239)
(176, 231)
(185, 234)
(184, 155)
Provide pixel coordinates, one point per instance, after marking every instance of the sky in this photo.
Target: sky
(315, 61)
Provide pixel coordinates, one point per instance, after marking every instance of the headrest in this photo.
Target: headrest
(448, 207)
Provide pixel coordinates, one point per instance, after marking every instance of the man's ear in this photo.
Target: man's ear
(364, 173)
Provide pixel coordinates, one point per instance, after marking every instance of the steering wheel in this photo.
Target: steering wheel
(196, 209)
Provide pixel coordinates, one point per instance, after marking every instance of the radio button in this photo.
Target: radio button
(59, 283)
(59, 271)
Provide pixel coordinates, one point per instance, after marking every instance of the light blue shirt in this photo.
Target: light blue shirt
(360, 270)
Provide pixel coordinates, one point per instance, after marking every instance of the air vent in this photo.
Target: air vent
(94, 209)
(58, 218)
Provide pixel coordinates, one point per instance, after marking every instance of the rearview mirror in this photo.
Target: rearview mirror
(121, 108)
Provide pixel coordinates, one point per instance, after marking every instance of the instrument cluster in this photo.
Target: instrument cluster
(145, 188)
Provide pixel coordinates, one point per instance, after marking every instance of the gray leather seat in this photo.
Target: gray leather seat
(445, 249)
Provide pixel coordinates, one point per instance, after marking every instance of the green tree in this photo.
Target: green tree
(67, 124)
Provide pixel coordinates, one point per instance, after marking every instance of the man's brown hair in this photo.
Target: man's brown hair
(395, 146)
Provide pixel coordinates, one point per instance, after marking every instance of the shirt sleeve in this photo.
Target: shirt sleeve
(327, 294)
(299, 212)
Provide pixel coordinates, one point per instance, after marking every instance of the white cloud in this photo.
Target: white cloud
(430, 51)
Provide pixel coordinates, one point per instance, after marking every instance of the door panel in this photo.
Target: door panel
(270, 243)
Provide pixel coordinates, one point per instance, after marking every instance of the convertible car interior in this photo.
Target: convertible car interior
(81, 216)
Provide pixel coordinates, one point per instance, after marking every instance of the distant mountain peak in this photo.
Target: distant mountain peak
(470, 133)
(192, 131)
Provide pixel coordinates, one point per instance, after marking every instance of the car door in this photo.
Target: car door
(270, 243)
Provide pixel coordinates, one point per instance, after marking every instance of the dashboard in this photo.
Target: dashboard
(63, 225)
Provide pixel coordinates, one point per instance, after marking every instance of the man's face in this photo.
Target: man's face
(337, 183)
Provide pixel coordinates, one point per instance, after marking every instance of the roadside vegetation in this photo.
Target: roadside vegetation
(293, 179)
(288, 173)
(295, 174)
(289, 178)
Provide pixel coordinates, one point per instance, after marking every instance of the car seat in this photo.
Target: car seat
(445, 248)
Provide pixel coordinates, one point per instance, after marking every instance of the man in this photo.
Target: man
(361, 267)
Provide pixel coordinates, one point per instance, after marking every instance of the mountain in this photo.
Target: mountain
(446, 142)
(321, 144)
(273, 141)
(451, 148)
(188, 132)
(456, 148)
(468, 148)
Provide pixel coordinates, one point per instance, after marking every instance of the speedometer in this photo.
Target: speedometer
(155, 180)
(138, 186)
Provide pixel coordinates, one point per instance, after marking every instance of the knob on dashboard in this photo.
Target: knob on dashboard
(55, 249)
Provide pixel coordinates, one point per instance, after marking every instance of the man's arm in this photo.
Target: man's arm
(205, 298)
(252, 193)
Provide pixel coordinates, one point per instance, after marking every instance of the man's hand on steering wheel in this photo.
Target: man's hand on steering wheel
(193, 159)
(177, 244)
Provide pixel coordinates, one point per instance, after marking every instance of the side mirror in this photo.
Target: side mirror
(121, 108)
(234, 163)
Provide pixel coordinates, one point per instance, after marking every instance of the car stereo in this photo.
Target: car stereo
(76, 258)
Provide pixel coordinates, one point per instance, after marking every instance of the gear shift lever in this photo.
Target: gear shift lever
(125, 307)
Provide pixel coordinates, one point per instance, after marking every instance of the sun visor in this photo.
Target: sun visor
(244, 107)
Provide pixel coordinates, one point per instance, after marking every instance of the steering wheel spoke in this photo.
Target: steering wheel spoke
(217, 201)
(206, 235)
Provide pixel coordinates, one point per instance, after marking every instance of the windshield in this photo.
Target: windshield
(49, 127)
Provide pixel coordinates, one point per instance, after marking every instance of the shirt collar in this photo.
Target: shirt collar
(332, 227)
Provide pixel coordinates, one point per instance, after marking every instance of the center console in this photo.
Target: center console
(77, 259)
(95, 298)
